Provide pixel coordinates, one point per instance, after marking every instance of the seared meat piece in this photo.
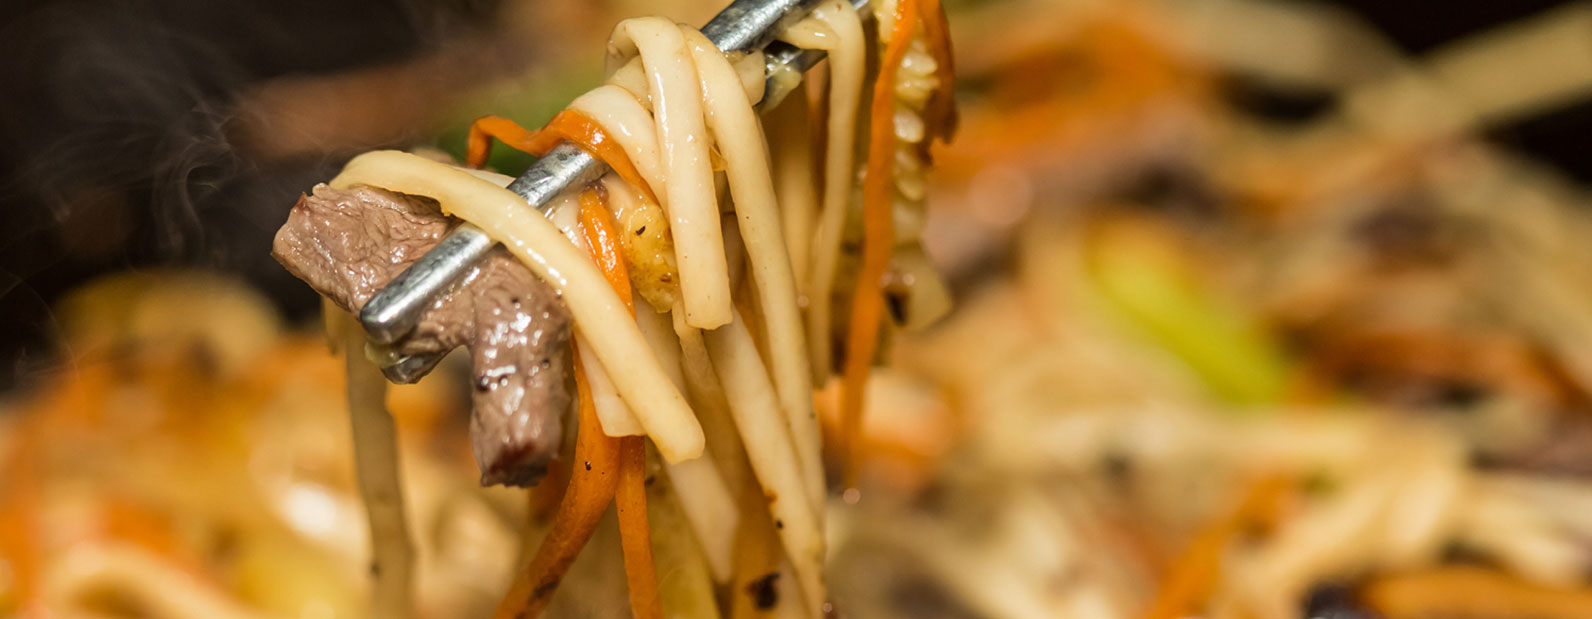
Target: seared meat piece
(347, 244)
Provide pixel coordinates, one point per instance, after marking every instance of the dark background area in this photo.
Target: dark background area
(117, 150)
(118, 147)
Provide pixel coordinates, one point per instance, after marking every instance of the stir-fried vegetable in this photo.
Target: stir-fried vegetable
(17, 509)
(1148, 287)
(1472, 592)
(593, 479)
(376, 467)
(568, 125)
(867, 306)
(618, 473)
(634, 533)
(883, 166)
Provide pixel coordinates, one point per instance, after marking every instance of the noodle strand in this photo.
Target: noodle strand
(847, 62)
(740, 138)
(376, 470)
(682, 133)
(755, 408)
(794, 181)
(624, 119)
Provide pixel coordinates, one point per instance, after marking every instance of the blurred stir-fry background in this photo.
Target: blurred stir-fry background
(1265, 309)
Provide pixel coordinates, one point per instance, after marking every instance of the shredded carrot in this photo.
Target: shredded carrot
(568, 125)
(18, 512)
(1193, 574)
(940, 112)
(592, 482)
(545, 497)
(127, 520)
(867, 305)
(1454, 591)
(635, 535)
(74, 404)
(598, 228)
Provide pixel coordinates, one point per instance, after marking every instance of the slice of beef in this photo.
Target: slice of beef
(347, 244)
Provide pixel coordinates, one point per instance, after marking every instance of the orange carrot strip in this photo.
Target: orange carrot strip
(867, 305)
(478, 146)
(940, 112)
(568, 125)
(130, 521)
(545, 497)
(18, 514)
(591, 487)
(597, 226)
(635, 535)
(1467, 591)
(1193, 574)
(73, 404)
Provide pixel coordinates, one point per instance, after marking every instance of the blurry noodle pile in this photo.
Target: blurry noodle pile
(1244, 330)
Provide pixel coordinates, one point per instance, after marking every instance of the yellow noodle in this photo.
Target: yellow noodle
(794, 180)
(376, 469)
(139, 578)
(740, 139)
(712, 406)
(624, 119)
(686, 583)
(682, 136)
(846, 57)
(757, 417)
(615, 418)
(705, 498)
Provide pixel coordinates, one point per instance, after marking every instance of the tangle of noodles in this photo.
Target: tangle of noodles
(740, 139)
(706, 501)
(718, 361)
(682, 134)
(756, 412)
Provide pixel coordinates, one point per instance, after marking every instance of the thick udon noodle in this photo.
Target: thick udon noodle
(835, 28)
(716, 361)
(689, 195)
